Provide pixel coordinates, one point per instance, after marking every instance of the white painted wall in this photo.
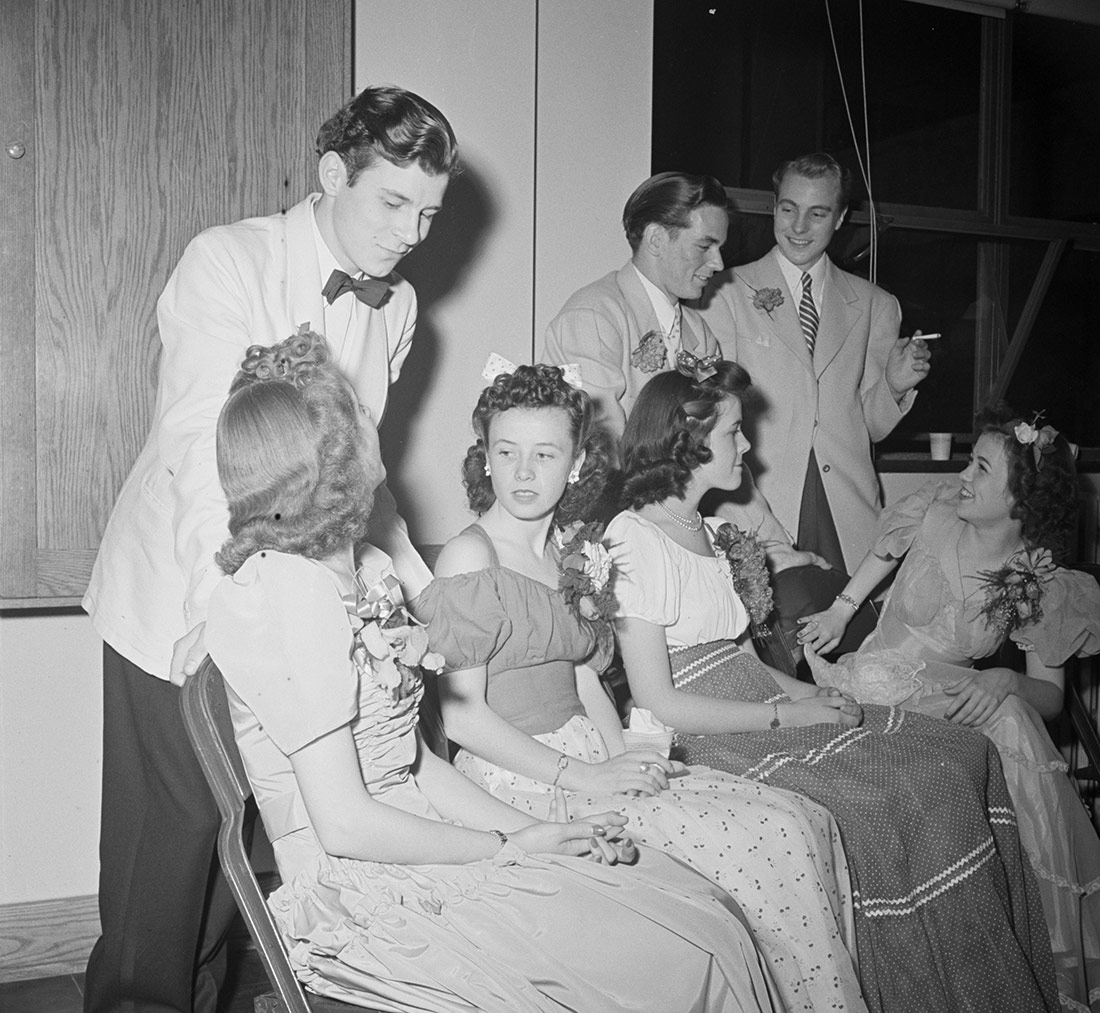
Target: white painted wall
(551, 105)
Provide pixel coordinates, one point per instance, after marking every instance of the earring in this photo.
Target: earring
(574, 476)
(488, 471)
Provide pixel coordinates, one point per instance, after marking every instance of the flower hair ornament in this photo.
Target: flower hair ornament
(497, 364)
(698, 368)
(1039, 438)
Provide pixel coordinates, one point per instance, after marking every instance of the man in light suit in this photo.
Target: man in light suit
(829, 362)
(632, 323)
(327, 265)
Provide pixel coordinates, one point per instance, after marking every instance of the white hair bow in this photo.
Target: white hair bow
(497, 364)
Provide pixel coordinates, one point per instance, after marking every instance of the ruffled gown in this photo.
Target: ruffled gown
(517, 932)
(929, 635)
(948, 915)
(779, 855)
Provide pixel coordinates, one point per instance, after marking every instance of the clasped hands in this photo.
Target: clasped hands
(598, 837)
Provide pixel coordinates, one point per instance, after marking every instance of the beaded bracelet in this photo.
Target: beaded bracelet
(848, 600)
(501, 836)
(563, 762)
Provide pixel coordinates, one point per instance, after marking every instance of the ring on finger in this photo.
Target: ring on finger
(644, 768)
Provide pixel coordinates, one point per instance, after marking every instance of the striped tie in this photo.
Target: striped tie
(807, 314)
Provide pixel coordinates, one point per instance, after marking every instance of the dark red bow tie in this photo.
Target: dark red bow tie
(369, 290)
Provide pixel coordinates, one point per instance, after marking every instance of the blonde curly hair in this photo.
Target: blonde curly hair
(292, 457)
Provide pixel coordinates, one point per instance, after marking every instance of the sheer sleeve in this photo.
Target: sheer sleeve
(1070, 626)
(466, 619)
(280, 634)
(646, 584)
(899, 524)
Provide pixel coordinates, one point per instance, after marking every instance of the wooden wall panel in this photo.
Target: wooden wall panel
(153, 121)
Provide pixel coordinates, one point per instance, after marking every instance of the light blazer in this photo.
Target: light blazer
(253, 282)
(838, 404)
(599, 326)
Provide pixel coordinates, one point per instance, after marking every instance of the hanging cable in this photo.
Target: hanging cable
(864, 164)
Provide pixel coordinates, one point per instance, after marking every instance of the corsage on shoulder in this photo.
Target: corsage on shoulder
(650, 354)
(749, 569)
(584, 571)
(1014, 593)
(389, 644)
(765, 299)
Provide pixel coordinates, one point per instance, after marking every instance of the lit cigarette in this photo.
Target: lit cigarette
(926, 337)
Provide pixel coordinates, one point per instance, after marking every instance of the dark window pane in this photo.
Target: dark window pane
(1055, 137)
(1059, 371)
(739, 86)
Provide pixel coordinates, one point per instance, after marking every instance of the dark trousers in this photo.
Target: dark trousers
(803, 590)
(164, 906)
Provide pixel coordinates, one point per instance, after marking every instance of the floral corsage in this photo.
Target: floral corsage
(749, 569)
(765, 299)
(1039, 438)
(1014, 593)
(584, 577)
(650, 355)
(388, 643)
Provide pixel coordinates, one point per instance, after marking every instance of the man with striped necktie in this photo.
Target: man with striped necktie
(822, 347)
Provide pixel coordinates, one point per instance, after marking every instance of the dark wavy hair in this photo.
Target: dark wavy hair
(291, 456)
(669, 199)
(394, 124)
(539, 386)
(1045, 494)
(666, 435)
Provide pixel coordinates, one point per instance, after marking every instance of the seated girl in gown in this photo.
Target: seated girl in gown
(948, 915)
(522, 695)
(404, 885)
(974, 548)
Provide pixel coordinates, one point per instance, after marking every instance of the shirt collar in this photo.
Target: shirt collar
(792, 275)
(326, 262)
(662, 307)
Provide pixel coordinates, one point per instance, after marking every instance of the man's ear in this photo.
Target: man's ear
(655, 239)
(332, 173)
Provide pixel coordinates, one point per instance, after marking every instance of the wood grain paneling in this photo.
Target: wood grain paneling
(17, 534)
(152, 121)
(47, 937)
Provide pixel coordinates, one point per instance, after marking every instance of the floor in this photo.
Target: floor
(64, 994)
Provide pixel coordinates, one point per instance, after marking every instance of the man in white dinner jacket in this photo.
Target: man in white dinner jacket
(328, 263)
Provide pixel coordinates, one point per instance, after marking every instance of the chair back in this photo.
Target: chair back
(210, 728)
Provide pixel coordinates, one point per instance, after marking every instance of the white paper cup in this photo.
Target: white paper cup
(940, 446)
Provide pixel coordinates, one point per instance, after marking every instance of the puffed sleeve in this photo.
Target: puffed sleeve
(466, 619)
(646, 585)
(899, 524)
(1070, 626)
(279, 632)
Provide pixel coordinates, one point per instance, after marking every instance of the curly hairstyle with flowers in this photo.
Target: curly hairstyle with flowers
(666, 435)
(293, 455)
(1043, 487)
(539, 386)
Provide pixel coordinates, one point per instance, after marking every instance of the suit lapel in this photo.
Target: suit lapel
(783, 320)
(840, 311)
(303, 283)
(637, 301)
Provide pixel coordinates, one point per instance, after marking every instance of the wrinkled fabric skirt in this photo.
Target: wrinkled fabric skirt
(948, 914)
(1055, 830)
(778, 854)
(521, 933)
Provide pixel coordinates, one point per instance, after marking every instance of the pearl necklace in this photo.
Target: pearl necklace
(684, 522)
